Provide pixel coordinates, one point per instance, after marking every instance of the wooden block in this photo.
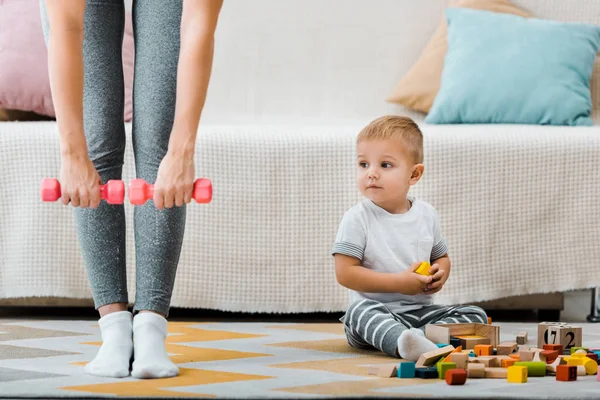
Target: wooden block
(487, 361)
(593, 356)
(548, 356)
(489, 320)
(554, 347)
(456, 350)
(426, 373)
(445, 367)
(581, 370)
(475, 370)
(460, 359)
(406, 369)
(441, 333)
(469, 342)
(456, 376)
(431, 357)
(551, 368)
(526, 355)
(591, 366)
(496, 373)
(506, 348)
(455, 341)
(483, 350)
(574, 349)
(566, 373)
(522, 338)
(559, 333)
(517, 374)
(423, 269)
(515, 356)
(384, 370)
(508, 362)
(535, 349)
(534, 368)
(542, 332)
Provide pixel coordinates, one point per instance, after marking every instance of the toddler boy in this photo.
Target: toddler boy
(381, 242)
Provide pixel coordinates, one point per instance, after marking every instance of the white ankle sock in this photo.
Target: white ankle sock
(418, 331)
(412, 344)
(113, 358)
(150, 355)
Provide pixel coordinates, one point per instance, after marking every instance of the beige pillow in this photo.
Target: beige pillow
(418, 88)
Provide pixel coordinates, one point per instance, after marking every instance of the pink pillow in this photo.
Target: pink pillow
(24, 82)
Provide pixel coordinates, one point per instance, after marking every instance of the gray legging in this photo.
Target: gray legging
(101, 231)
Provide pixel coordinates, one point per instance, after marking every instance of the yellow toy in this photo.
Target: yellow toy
(423, 269)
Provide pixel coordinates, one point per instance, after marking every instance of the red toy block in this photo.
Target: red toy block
(456, 376)
(593, 356)
(551, 355)
(140, 191)
(566, 373)
(113, 191)
(554, 347)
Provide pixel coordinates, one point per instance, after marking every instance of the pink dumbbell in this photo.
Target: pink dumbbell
(140, 191)
(113, 192)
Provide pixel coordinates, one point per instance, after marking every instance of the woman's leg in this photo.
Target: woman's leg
(101, 231)
(158, 234)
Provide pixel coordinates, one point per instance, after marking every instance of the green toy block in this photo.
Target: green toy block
(443, 367)
(534, 368)
(574, 349)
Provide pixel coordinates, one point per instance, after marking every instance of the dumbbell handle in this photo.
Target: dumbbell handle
(55, 192)
(202, 191)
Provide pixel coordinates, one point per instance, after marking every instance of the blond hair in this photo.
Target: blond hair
(394, 127)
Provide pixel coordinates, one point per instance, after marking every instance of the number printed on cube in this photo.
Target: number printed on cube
(559, 333)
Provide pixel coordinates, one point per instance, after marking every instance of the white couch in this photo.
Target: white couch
(293, 83)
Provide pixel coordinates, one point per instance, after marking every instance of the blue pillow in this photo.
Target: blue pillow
(507, 69)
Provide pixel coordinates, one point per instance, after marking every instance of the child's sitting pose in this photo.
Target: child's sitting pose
(381, 242)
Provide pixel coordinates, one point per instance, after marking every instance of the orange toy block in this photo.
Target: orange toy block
(457, 350)
(456, 376)
(550, 355)
(566, 373)
(508, 362)
(484, 350)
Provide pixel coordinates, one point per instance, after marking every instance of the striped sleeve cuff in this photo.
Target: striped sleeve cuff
(439, 250)
(348, 249)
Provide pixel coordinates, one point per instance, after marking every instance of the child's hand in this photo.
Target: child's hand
(439, 278)
(413, 283)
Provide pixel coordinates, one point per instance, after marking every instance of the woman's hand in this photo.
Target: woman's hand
(79, 181)
(175, 181)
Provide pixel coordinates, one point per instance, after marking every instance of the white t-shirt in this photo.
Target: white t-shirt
(390, 243)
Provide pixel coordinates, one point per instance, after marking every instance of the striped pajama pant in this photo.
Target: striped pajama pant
(370, 324)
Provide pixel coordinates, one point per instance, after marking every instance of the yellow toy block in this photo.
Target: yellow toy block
(517, 374)
(591, 366)
(423, 269)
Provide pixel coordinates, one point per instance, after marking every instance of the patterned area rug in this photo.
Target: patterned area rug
(245, 360)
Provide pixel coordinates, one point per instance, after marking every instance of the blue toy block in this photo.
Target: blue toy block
(440, 345)
(406, 369)
(454, 341)
(426, 373)
(471, 354)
